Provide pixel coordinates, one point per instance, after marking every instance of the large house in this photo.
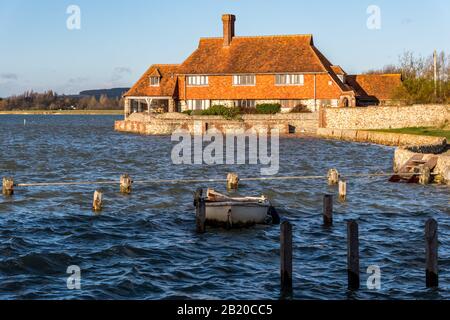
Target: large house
(246, 71)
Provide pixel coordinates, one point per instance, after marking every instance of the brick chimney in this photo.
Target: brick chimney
(228, 29)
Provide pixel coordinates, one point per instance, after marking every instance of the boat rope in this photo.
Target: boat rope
(186, 181)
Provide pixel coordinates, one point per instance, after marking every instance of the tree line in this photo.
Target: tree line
(50, 100)
(419, 78)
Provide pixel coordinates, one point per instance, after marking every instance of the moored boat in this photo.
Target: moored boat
(222, 210)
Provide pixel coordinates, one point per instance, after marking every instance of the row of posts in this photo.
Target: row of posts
(97, 204)
(125, 187)
(232, 183)
(353, 261)
(431, 229)
(353, 266)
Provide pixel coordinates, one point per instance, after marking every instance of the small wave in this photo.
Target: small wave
(38, 263)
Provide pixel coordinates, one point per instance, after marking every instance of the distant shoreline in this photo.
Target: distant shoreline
(62, 112)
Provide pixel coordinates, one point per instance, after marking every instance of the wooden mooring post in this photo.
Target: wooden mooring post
(353, 255)
(342, 190)
(425, 175)
(200, 213)
(232, 181)
(431, 251)
(125, 184)
(333, 177)
(8, 186)
(328, 210)
(286, 257)
(97, 204)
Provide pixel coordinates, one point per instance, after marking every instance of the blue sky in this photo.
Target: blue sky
(119, 39)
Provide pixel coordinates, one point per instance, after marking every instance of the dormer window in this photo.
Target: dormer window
(154, 81)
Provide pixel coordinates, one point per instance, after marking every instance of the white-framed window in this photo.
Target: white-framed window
(197, 80)
(154, 81)
(245, 103)
(244, 80)
(289, 79)
(198, 104)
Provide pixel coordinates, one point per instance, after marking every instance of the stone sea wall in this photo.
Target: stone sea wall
(166, 124)
(422, 144)
(384, 117)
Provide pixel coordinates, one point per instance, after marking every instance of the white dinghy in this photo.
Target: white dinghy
(222, 210)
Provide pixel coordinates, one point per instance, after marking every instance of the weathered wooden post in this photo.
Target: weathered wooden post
(431, 251)
(232, 181)
(125, 184)
(333, 177)
(342, 190)
(328, 210)
(97, 204)
(200, 213)
(286, 257)
(8, 186)
(353, 255)
(425, 175)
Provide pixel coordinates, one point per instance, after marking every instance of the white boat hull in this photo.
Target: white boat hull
(237, 214)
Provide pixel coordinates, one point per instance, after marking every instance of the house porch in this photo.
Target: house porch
(149, 105)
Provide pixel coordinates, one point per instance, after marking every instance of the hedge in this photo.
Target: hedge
(268, 108)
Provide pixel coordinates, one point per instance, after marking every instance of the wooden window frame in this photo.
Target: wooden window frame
(245, 103)
(152, 84)
(197, 81)
(192, 104)
(288, 79)
(237, 79)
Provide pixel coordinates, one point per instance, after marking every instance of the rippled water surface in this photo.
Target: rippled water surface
(144, 246)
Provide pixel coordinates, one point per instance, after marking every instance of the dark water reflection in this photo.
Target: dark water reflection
(144, 246)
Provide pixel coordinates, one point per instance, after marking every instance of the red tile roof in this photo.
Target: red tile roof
(167, 86)
(381, 86)
(264, 54)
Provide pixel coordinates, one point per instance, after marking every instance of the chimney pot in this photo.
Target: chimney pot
(228, 29)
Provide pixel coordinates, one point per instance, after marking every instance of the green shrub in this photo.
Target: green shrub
(188, 112)
(216, 110)
(220, 110)
(268, 108)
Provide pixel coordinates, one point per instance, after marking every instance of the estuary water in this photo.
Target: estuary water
(144, 246)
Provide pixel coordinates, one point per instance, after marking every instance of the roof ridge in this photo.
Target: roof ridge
(376, 74)
(165, 64)
(263, 36)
